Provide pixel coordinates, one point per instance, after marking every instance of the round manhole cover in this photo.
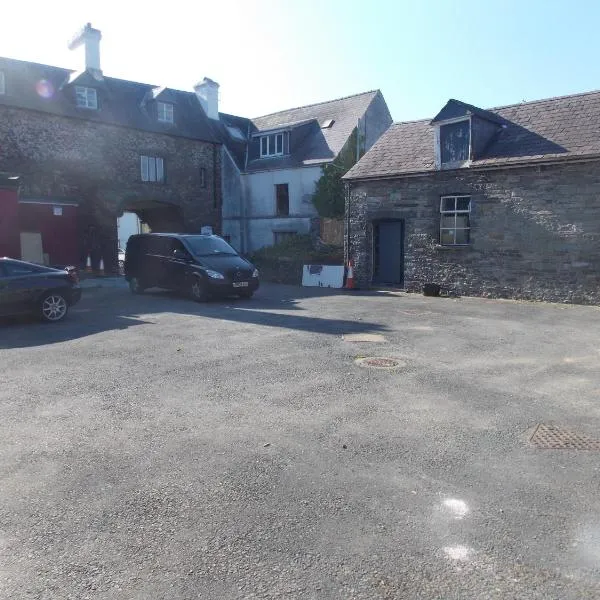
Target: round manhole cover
(378, 362)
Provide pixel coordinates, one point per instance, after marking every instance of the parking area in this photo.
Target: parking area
(152, 447)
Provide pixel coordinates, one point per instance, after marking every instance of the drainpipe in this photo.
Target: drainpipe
(348, 197)
(215, 201)
(244, 186)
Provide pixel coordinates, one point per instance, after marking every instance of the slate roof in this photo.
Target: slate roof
(319, 145)
(563, 128)
(121, 102)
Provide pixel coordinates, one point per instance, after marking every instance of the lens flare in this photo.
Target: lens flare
(44, 88)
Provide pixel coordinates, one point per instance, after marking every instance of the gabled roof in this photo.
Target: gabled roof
(48, 89)
(456, 109)
(562, 128)
(319, 145)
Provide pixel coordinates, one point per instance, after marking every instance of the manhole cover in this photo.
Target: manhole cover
(553, 437)
(377, 362)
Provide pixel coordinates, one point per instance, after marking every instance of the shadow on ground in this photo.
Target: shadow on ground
(114, 309)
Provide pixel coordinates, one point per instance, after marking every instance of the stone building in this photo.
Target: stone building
(498, 203)
(106, 146)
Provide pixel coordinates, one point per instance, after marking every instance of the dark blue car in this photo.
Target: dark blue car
(27, 288)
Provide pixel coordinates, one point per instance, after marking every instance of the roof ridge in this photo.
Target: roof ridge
(427, 119)
(539, 101)
(277, 112)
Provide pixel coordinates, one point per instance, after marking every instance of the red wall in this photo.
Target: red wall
(10, 242)
(59, 233)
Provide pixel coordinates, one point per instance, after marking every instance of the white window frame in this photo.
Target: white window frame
(165, 112)
(152, 169)
(2, 83)
(455, 212)
(269, 152)
(438, 147)
(86, 97)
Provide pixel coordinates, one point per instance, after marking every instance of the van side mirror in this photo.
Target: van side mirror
(180, 255)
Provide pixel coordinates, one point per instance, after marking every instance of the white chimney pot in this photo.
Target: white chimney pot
(89, 38)
(207, 92)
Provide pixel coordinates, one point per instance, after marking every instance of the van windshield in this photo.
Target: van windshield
(208, 246)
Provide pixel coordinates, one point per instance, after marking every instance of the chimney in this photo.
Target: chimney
(89, 38)
(207, 92)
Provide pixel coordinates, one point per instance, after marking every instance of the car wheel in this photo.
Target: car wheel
(198, 290)
(54, 307)
(135, 286)
(246, 295)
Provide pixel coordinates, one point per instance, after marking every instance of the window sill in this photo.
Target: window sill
(452, 247)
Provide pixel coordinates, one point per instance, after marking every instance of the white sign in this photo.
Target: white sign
(206, 230)
(57, 211)
(323, 276)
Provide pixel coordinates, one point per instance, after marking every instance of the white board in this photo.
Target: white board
(323, 276)
(31, 247)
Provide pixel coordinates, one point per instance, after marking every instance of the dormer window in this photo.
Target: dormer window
(271, 145)
(86, 97)
(455, 143)
(165, 112)
(2, 83)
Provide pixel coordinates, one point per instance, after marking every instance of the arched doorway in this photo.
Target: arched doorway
(155, 215)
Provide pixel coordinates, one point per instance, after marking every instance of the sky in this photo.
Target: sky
(270, 55)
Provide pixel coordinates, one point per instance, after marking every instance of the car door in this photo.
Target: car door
(179, 265)
(20, 286)
(5, 298)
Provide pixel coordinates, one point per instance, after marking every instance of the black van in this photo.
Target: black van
(198, 265)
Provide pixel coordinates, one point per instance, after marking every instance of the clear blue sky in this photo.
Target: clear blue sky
(270, 55)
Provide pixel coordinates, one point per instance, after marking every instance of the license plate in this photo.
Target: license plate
(240, 284)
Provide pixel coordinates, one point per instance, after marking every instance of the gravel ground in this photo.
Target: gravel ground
(156, 448)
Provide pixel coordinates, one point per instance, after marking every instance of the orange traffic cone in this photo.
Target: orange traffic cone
(101, 270)
(88, 264)
(350, 276)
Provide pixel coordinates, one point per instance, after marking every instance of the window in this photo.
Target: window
(86, 97)
(165, 112)
(455, 220)
(282, 198)
(208, 246)
(153, 169)
(455, 141)
(202, 177)
(2, 83)
(236, 133)
(281, 236)
(271, 145)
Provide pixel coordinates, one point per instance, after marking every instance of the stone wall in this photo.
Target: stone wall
(535, 231)
(98, 165)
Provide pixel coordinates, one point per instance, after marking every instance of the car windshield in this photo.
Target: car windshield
(208, 246)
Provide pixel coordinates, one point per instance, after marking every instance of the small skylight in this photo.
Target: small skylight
(327, 123)
(236, 133)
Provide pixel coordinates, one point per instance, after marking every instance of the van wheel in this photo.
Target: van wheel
(135, 286)
(198, 290)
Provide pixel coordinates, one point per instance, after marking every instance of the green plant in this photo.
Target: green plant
(329, 199)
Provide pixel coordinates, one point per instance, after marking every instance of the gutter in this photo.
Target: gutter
(515, 165)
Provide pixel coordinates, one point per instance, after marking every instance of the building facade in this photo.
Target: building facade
(106, 146)
(272, 163)
(502, 203)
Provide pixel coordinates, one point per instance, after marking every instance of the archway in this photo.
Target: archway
(157, 216)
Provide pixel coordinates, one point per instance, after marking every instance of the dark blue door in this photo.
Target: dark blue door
(388, 252)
